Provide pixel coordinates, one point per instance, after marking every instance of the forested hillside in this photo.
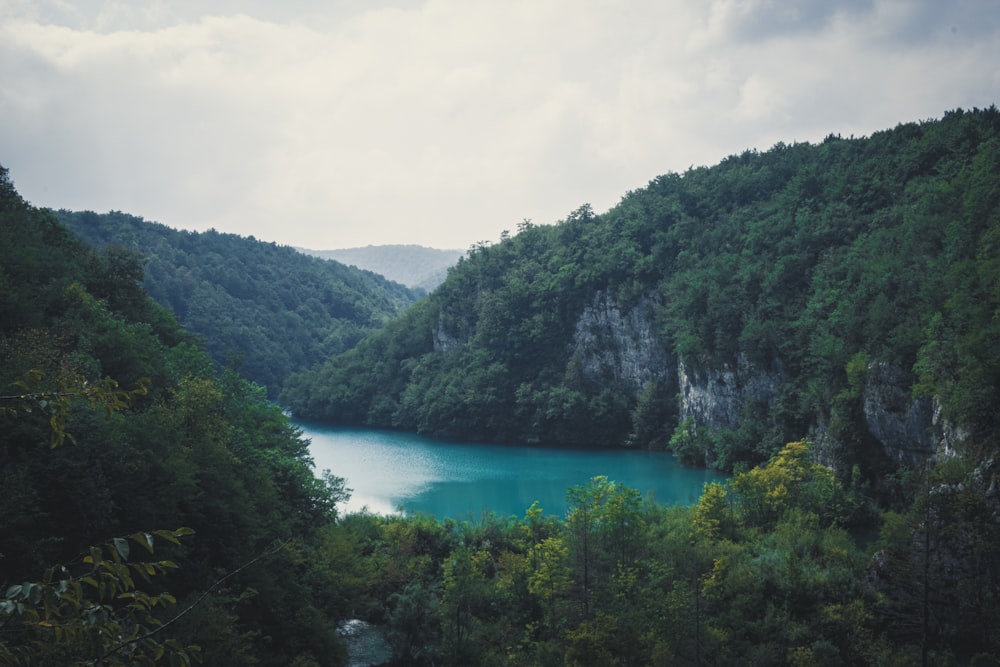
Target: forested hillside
(845, 291)
(265, 308)
(412, 265)
(135, 477)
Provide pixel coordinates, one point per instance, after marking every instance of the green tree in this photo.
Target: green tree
(413, 632)
(550, 579)
(789, 480)
(465, 592)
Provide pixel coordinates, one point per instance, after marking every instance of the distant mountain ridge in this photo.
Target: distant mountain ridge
(267, 308)
(415, 266)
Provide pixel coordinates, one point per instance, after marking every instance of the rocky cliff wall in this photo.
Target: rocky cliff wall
(717, 398)
(443, 341)
(618, 344)
(909, 428)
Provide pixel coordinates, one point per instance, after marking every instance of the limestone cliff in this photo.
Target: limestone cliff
(619, 344)
(717, 398)
(909, 428)
(613, 343)
(443, 340)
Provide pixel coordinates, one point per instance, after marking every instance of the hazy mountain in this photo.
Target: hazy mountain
(411, 265)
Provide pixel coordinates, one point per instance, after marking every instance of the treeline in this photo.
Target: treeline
(264, 308)
(800, 261)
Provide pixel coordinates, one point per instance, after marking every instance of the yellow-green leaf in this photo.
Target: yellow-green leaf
(145, 539)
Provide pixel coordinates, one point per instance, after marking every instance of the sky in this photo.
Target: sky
(342, 123)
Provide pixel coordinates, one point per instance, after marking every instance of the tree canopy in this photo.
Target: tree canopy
(116, 431)
(264, 308)
(795, 261)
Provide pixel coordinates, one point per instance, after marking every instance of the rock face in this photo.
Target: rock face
(910, 429)
(717, 398)
(615, 344)
(443, 341)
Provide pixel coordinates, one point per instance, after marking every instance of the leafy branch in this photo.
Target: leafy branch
(275, 548)
(55, 403)
(98, 611)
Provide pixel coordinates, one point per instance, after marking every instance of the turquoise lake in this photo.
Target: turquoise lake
(391, 472)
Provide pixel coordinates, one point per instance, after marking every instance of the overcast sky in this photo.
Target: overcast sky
(341, 123)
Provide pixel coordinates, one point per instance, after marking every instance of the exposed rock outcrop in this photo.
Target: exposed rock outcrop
(718, 397)
(621, 345)
(444, 341)
(910, 429)
(613, 343)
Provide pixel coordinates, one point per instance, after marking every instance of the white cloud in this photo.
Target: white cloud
(444, 122)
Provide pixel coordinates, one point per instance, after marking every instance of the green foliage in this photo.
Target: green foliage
(760, 570)
(151, 435)
(813, 261)
(789, 482)
(93, 612)
(800, 260)
(267, 309)
(649, 418)
(935, 562)
(688, 444)
(605, 525)
(55, 398)
(713, 516)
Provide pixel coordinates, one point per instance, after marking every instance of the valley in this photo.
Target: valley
(755, 403)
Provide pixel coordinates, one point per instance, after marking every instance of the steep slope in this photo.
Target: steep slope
(267, 308)
(846, 291)
(411, 265)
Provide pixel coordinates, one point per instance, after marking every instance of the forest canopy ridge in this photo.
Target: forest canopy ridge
(781, 270)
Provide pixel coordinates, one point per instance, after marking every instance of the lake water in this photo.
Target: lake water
(390, 471)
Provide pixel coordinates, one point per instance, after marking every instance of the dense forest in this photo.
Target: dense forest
(721, 312)
(264, 308)
(115, 423)
(415, 266)
(160, 510)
